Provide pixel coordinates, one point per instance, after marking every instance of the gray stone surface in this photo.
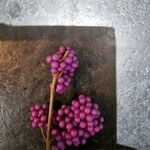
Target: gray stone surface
(131, 20)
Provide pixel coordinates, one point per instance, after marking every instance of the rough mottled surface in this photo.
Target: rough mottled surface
(131, 20)
(25, 78)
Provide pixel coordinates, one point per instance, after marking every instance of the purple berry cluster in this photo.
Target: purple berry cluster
(74, 124)
(39, 114)
(64, 62)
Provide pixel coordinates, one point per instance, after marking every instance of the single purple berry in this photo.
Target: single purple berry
(69, 142)
(56, 57)
(34, 125)
(88, 99)
(54, 64)
(77, 119)
(60, 112)
(49, 59)
(101, 119)
(34, 113)
(54, 132)
(82, 115)
(83, 141)
(73, 133)
(37, 106)
(61, 80)
(87, 110)
(89, 118)
(69, 126)
(82, 124)
(41, 124)
(63, 65)
(80, 132)
(82, 100)
(62, 124)
(43, 118)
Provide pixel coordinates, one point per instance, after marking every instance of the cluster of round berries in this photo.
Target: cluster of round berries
(39, 114)
(63, 63)
(74, 124)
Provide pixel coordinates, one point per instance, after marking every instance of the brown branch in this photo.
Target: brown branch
(65, 55)
(51, 101)
(42, 131)
(52, 93)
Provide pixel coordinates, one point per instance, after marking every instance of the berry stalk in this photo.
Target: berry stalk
(42, 132)
(51, 101)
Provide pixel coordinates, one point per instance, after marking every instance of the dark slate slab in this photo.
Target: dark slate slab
(24, 79)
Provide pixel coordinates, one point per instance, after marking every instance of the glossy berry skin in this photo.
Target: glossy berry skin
(39, 115)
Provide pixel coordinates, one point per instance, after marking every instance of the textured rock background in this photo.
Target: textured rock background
(131, 20)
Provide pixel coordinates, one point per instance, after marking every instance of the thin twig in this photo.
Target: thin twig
(52, 92)
(51, 101)
(65, 55)
(60, 74)
(43, 134)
